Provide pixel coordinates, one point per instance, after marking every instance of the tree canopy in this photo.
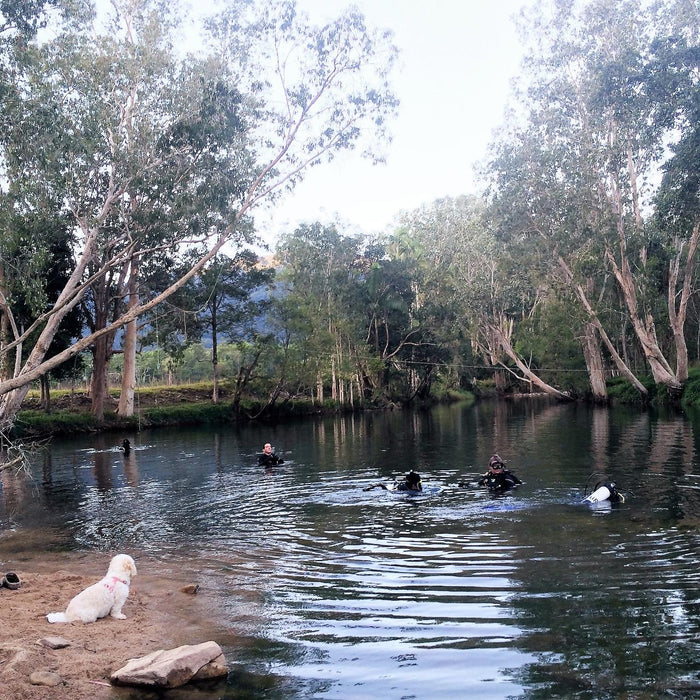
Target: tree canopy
(576, 265)
(147, 149)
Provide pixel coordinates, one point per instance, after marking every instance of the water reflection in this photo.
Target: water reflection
(131, 469)
(340, 592)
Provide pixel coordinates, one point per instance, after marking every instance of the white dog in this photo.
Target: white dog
(102, 598)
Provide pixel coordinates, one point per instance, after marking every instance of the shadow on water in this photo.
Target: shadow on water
(319, 588)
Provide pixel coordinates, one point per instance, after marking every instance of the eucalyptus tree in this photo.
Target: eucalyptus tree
(443, 349)
(400, 327)
(98, 126)
(318, 269)
(577, 178)
(672, 77)
(24, 253)
(228, 300)
(488, 290)
(434, 234)
(535, 215)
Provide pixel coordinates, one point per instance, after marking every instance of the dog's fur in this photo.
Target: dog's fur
(106, 597)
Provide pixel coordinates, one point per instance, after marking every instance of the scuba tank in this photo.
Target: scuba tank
(605, 491)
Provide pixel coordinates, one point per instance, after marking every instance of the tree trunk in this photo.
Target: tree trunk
(677, 316)
(334, 379)
(528, 374)
(500, 380)
(4, 328)
(621, 364)
(126, 397)
(319, 388)
(101, 349)
(98, 386)
(45, 393)
(4, 364)
(244, 374)
(594, 363)
(644, 328)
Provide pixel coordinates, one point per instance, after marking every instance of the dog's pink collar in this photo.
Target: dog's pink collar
(115, 581)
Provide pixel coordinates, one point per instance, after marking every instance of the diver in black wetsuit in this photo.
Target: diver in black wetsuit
(268, 458)
(498, 478)
(411, 482)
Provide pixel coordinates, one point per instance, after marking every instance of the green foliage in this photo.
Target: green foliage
(621, 391)
(65, 422)
(691, 390)
(188, 414)
(443, 393)
(485, 388)
(167, 179)
(548, 339)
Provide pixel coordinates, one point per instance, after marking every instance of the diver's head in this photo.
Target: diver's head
(413, 480)
(496, 463)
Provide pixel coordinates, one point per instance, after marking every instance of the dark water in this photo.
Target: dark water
(331, 591)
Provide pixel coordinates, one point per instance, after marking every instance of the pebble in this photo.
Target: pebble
(54, 642)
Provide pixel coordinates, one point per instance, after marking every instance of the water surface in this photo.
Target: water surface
(323, 589)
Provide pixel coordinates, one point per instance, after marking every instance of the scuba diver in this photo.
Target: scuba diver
(410, 483)
(268, 458)
(605, 491)
(498, 479)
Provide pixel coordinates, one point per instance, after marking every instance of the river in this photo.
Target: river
(323, 589)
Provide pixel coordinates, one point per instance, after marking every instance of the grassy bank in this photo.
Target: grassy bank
(154, 407)
(161, 406)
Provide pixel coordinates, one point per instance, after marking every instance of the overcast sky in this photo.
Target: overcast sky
(457, 60)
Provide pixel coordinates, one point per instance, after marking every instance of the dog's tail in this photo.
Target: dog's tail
(57, 617)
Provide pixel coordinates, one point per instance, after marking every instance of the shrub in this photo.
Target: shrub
(191, 413)
(691, 390)
(30, 423)
(620, 390)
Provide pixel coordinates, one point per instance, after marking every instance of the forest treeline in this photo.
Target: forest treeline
(132, 170)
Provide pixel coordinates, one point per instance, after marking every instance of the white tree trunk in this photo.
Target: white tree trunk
(594, 363)
(678, 315)
(503, 342)
(620, 363)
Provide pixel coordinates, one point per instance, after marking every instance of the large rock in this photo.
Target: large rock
(170, 668)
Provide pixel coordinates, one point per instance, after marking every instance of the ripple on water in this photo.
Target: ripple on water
(342, 592)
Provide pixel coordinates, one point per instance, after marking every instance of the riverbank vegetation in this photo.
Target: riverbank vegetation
(159, 406)
(128, 233)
